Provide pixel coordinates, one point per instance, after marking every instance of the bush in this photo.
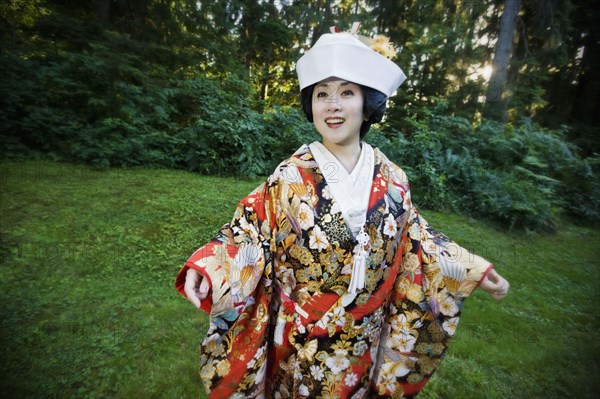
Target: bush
(95, 96)
(520, 176)
(228, 140)
(111, 100)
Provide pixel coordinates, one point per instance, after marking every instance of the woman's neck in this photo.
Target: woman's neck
(347, 154)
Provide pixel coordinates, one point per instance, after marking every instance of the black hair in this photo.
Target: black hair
(373, 105)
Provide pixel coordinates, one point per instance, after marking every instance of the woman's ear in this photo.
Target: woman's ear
(366, 116)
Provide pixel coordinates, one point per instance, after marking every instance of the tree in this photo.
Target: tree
(585, 95)
(497, 95)
(103, 11)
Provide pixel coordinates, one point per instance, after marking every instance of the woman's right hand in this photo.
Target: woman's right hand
(196, 287)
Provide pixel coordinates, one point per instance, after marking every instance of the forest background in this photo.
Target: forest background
(210, 86)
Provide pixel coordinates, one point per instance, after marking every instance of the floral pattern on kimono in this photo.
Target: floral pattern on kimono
(282, 322)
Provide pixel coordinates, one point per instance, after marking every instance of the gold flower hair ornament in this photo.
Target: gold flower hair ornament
(379, 43)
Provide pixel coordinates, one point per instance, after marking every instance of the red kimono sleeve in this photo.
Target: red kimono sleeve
(234, 260)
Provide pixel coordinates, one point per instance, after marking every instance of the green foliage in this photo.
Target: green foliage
(208, 87)
(110, 99)
(230, 141)
(520, 176)
(102, 103)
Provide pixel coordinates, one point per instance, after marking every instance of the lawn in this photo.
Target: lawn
(88, 308)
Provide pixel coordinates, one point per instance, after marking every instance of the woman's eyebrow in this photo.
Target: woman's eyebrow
(344, 83)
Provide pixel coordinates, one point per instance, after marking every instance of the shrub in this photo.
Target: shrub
(107, 99)
(520, 176)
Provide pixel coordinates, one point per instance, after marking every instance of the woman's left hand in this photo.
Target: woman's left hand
(495, 285)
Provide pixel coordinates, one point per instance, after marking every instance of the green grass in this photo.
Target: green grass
(88, 308)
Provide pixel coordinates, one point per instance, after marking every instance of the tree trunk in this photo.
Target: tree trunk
(497, 95)
(586, 102)
(103, 11)
(325, 24)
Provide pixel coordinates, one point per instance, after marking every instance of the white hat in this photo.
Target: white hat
(345, 56)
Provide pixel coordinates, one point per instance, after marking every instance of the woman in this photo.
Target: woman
(328, 282)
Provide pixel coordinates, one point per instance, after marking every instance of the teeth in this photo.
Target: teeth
(334, 120)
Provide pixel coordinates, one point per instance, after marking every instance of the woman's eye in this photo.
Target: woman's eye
(321, 94)
(347, 92)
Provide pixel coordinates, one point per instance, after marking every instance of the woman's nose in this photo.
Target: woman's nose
(334, 105)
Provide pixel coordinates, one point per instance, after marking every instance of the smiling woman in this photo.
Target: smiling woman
(374, 101)
(337, 110)
(327, 282)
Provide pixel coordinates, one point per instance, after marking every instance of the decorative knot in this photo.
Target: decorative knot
(380, 43)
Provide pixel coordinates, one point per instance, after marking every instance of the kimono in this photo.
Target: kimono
(283, 322)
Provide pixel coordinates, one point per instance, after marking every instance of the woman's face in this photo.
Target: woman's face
(337, 108)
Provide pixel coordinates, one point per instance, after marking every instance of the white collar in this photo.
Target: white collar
(351, 191)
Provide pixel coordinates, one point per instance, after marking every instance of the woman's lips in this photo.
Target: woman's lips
(334, 122)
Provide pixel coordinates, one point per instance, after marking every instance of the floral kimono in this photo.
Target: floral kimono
(283, 321)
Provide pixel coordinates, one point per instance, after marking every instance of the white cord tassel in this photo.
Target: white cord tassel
(279, 329)
(359, 263)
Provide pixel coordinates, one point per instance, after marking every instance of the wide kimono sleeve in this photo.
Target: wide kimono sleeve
(234, 261)
(237, 263)
(435, 277)
(448, 270)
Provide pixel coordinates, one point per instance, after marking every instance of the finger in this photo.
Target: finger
(190, 287)
(500, 296)
(192, 274)
(203, 289)
(496, 278)
(492, 286)
(192, 297)
(497, 291)
(501, 291)
(503, 285)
